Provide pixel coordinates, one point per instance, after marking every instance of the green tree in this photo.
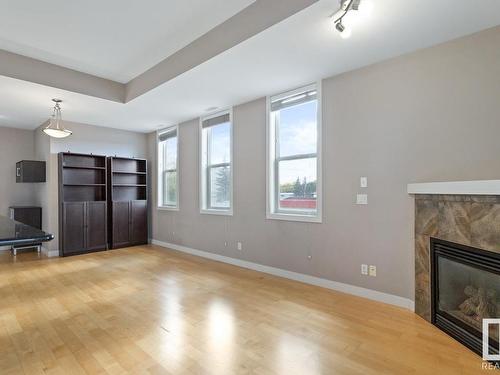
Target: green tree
(310, 188)
(297, 188)
(171, 187)
(286, 188)
(222, 185)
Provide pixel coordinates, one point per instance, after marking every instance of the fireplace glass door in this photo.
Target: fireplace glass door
(469, 295)
(465, 290)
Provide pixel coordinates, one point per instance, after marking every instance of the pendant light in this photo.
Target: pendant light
(55, 128)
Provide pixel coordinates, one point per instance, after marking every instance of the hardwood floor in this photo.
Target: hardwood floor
(147, 310)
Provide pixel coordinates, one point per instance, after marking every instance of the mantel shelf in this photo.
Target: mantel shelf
(482, 187)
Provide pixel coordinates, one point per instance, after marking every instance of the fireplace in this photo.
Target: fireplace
(465, 289)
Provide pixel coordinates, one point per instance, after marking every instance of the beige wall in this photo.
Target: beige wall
(42, 151)
(101, 141)
(428, 116)
(15, 145)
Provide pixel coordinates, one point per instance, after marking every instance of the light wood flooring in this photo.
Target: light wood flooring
(148, 310)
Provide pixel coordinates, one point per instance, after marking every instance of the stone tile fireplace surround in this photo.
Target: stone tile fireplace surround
(472, 220)
(463, 212)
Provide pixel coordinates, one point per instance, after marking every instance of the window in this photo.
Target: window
(294, 157)
(168, 169)
(216, 177)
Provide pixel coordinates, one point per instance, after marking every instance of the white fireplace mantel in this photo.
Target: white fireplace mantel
(485, 187)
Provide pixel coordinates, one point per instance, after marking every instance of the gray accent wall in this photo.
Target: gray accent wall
(433, 115)
(15, 145)
(42, 191)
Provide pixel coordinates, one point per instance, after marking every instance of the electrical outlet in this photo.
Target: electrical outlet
(362, 199)
(373, 271)
(240, 246)
(363, 182)
(364, 269)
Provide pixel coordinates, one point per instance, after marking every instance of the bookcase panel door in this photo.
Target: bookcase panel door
(139, 221)
(74, 227)
(96, 226)
(121, 223)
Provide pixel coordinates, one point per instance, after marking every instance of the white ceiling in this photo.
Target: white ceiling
(297, 51)
(114, 39)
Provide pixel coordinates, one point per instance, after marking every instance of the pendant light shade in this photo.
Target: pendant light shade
(55, 128)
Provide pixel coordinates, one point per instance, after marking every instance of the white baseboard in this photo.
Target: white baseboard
(307, 279)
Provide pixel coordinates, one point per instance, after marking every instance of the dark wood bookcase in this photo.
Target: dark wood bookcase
(127, 202)
(82, 203)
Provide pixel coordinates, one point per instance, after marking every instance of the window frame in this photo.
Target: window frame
(205, 168)
(272, 162)
(161, 173)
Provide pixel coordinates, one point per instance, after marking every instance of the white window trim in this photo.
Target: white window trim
(270, 180)
(159, 188)
(202, 176)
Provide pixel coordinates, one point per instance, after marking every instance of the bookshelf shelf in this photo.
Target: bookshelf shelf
(79, 167)
(125, 172)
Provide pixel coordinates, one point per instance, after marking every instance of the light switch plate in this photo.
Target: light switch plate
(373, 271)
(364, 269)
(363, 182)
(240, 246)
(362, 199)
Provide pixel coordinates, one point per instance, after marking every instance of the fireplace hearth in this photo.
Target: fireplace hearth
(465, 289)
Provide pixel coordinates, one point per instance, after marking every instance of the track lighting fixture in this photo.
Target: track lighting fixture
(350, 11)
(340, 28)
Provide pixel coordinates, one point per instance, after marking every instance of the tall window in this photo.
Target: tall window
(294, 159)
(168, 182)
(216, 164)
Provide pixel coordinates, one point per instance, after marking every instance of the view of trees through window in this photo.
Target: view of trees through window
(300, 194)
(218, 168)
(170, 198)
(220, 187)
(296, 153)
(167, 149)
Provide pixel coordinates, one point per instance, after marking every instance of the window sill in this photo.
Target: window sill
(217, 212)
(294, 217)
(164, 208)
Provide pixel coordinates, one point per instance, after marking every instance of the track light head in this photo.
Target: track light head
(345, 32)
(348, 14)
